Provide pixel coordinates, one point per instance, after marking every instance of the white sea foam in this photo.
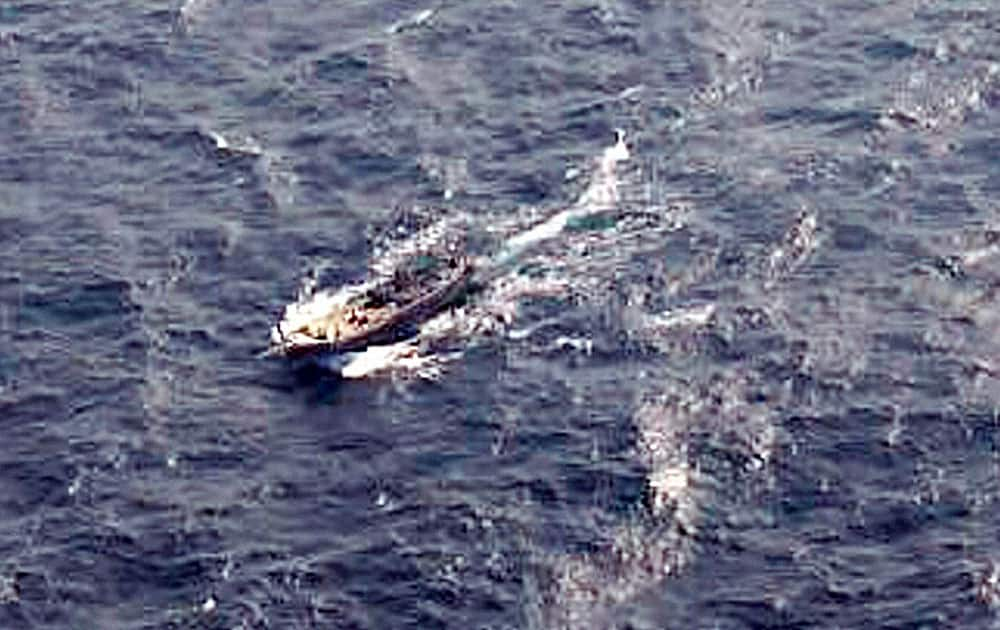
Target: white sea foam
(189, 12)
(601, 194)
(420, 18)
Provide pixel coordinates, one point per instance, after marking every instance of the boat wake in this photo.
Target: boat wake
(497, 281)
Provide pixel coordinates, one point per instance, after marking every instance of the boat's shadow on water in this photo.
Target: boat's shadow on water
(303, 381)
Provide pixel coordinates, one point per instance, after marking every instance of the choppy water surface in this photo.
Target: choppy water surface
(758, 389)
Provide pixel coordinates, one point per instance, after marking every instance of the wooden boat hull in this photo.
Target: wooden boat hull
(389, 321)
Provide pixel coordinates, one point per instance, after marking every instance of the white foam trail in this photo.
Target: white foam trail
(189, 11)
(689, 317)
(272, 167)
(600, 195)
(417, 19)
(977, 256)
(379, 358)
(247, 145)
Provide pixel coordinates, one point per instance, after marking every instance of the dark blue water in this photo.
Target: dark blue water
(820, 450)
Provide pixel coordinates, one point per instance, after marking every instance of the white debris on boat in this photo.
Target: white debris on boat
(310, 307)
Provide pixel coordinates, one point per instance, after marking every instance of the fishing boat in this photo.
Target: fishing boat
(377, 312)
